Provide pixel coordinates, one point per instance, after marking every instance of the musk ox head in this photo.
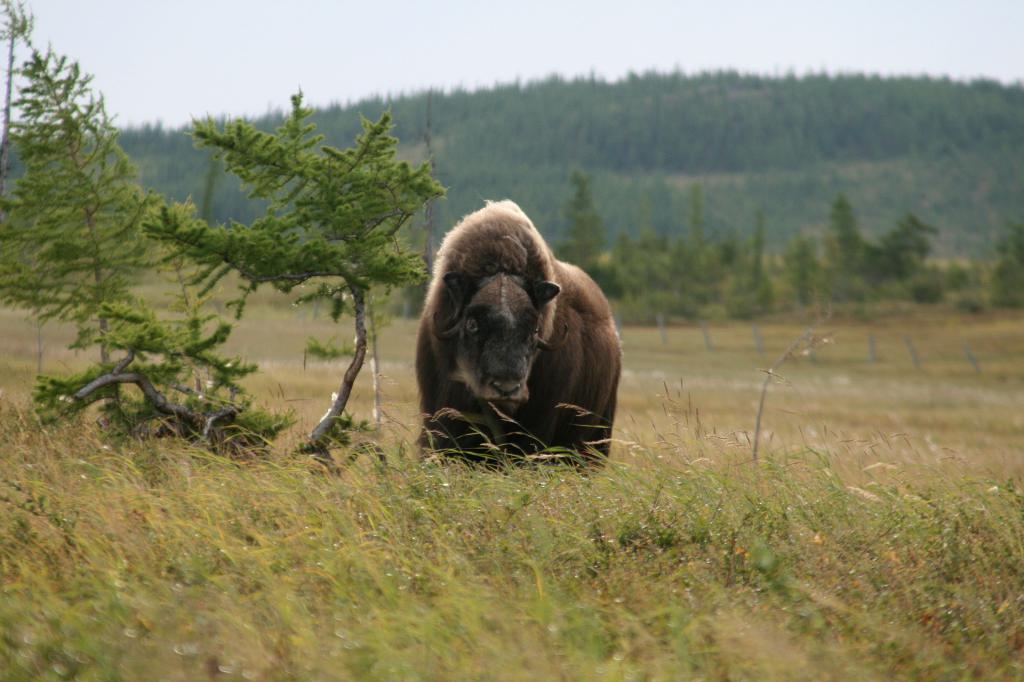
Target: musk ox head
(496, 332)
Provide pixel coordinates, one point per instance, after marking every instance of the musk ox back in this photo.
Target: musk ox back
(516, 352)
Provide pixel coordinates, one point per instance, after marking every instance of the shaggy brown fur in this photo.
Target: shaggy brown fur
(569, 399)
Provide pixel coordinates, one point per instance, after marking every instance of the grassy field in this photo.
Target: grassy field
(881, 536)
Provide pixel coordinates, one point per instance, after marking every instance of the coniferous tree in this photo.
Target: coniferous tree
(72, 248)
(751, 291)
(17, 28)
(72, 242)
(646, 272)
(757, 249)
(696, 238)
(802, 270)
(897, 262)
(760, 283)
(700, 260)
(845, 251)
(584, 245)
(1008, 276)
(585, 236)
(901, 252)
(330, 225)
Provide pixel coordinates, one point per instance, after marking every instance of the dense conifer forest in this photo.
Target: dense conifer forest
(951, 153)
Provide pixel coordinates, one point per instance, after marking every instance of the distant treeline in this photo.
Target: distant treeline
(655, 275)
(952, 153)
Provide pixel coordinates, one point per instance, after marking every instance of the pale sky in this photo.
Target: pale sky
(172, 60)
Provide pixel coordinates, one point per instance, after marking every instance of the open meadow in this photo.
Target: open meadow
(881, 534)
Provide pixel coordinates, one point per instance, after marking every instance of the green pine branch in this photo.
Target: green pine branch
(331, 221)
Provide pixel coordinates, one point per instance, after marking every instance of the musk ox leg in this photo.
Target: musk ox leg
(442, 433)
(585, 433)
(466, 436)
(593, 442)
(608, 414)
(590, 433)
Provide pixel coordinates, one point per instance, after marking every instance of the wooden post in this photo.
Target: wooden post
(913, 352)
(971, 359)
(375, 367)
(660, 319)
(428, 224)
(707, 336)
(618, 324)
(758, 340)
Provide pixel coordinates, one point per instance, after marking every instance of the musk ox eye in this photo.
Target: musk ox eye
(471, 326)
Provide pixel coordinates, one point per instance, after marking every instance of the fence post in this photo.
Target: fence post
(913, 351)
(660, 319)
(971, 359)
(707, 336)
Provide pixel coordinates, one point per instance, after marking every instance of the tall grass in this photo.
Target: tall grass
(882, 536)
(680, 560)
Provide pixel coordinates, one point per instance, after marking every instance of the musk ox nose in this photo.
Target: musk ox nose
(506, 387)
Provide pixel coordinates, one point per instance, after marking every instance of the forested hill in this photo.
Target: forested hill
(951, 152)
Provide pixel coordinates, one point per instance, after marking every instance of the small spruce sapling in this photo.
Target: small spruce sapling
(71, 248)
(330, 227)
(185, 388)
(71, 243)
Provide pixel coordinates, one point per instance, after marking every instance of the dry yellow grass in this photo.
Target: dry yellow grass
(837, 402)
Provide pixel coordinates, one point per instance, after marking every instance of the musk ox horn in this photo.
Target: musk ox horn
(448, 329)
(554, 345)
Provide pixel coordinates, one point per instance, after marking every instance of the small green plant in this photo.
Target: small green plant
(331, 224)
(327, 350)
(184, 387)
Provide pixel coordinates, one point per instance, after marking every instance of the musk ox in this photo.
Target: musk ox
(517, 352)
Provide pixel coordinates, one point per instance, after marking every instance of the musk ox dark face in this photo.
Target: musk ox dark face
(497, 335)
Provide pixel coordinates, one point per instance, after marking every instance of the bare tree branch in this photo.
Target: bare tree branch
(224, 414)
(319, 433)
(124, 362)
(157, 399)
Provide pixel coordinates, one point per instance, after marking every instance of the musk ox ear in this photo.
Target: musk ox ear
(544, 292)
